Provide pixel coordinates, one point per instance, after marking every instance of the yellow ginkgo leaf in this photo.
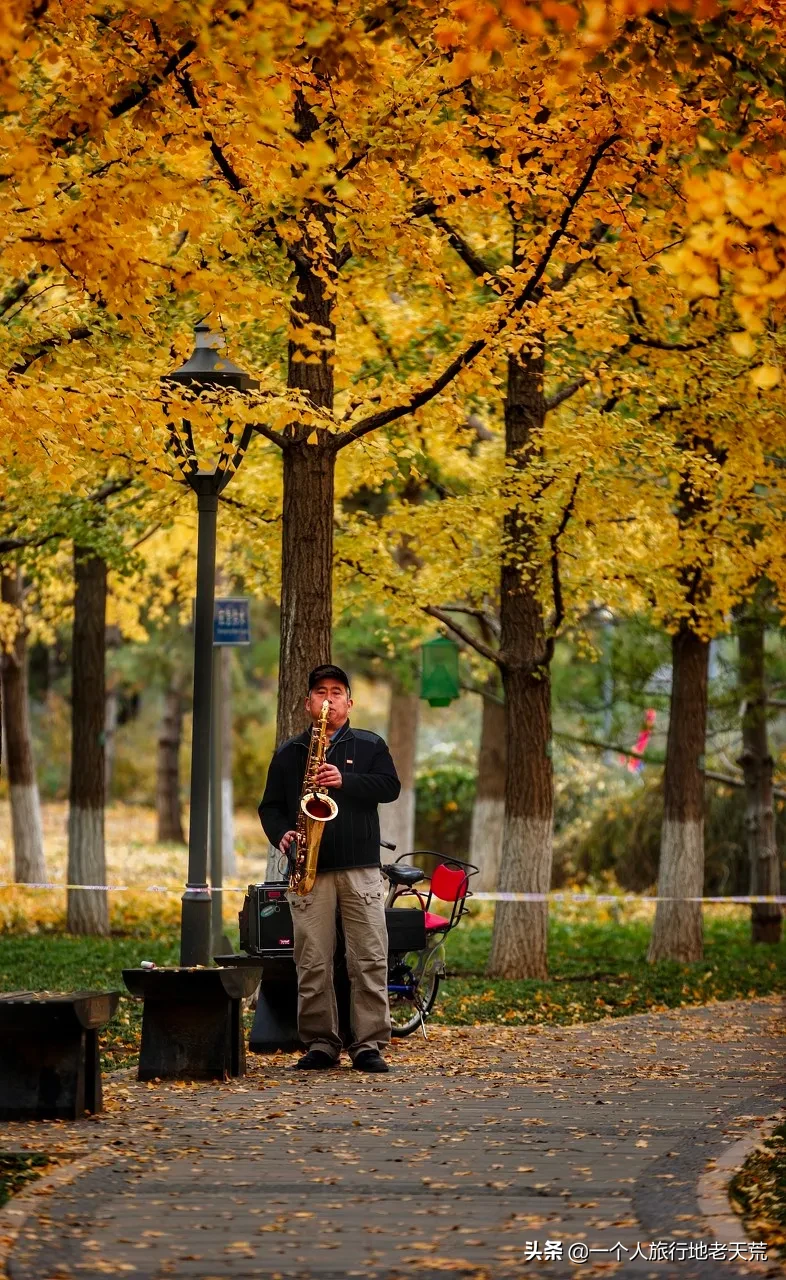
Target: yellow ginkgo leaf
(766, 376)
(742, 343)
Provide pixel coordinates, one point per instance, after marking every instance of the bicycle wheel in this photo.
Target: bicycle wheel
(411, 994)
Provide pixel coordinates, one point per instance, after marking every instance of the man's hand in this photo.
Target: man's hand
(286, 841)
(329, 776)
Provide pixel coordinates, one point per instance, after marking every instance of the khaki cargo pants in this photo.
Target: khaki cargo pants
(359, 895)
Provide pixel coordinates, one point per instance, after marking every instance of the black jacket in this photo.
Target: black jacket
(369, 778)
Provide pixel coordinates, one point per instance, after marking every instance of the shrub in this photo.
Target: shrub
(444, 796)
(623, 837)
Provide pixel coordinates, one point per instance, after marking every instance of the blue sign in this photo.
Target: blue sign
(232, 621)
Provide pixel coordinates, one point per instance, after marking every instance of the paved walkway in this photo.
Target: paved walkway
(477, 1145)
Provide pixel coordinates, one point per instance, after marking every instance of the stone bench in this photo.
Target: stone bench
(192, 1022)
(50, 1067)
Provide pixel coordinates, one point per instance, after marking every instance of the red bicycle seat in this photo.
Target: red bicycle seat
(435, 922)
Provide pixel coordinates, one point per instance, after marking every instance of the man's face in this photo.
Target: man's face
(337, 696)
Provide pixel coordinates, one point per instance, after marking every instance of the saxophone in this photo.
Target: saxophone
(316, 808)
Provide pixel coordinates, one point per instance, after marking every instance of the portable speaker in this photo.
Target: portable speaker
(266, 920)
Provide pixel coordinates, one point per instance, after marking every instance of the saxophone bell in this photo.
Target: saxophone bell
(319, 806)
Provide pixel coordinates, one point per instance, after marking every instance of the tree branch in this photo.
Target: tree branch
(481, 692)
(647, 756)
(274, 437)
(76, 334)
(464, 358)
(249, 513)
(657, 344)
(109, 488)
(464, 250)
(565, 393)
(428, 205)
(35, 540)
(729, 780)
(493, 655)
(569, 271)
(20, 287)
(227, 170)
(343, 256)
(441, 615)
(482, 615)
(136, 96)
(143, 91)
(660, 344)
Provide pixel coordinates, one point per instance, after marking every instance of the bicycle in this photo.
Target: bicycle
(414, 975)
(416, 951)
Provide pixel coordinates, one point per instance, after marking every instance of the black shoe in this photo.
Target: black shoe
(370, 1060)
(316, 1060)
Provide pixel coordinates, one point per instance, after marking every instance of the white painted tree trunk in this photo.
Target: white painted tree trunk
(26, 828)
(677, 929)
(397, 820)
(488, 811)
(168, 804)
(518, 944)
(110, 738)
(679, 925)
(486, 838)
(28, 835)
(757, 767)
(275, 868)
(88, 910)
(521, 928)
(227, 754)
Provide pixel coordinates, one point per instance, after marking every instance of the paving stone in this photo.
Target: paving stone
(477, 1146)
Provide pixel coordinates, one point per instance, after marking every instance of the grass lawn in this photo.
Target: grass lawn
(598, 968)
(597, 965)
(758, 1193)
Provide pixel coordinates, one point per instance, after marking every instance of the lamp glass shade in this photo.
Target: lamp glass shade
(439, 672)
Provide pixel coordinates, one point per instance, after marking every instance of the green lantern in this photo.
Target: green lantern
(439, 672)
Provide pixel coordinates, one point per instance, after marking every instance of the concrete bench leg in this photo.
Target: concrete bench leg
(191, 1040)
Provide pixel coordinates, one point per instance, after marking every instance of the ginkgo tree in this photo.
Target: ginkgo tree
(275, 168)
(636, 222)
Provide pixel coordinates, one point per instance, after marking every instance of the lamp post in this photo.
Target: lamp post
(206, 370)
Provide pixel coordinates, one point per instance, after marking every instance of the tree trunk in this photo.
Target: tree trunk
(306, 578)
(88, 910)
(677, 930)
(307, 513)
(28, 837)
(227, 794)
(756, 763)
(110, 738)
(397, 820)
(169, 811)
(518, 948)
(488, 812)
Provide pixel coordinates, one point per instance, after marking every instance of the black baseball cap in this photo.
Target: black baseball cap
(328, 672)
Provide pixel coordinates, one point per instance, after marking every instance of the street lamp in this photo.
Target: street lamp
(206, 370)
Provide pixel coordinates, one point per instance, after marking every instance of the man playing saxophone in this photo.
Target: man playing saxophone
(358, 774)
